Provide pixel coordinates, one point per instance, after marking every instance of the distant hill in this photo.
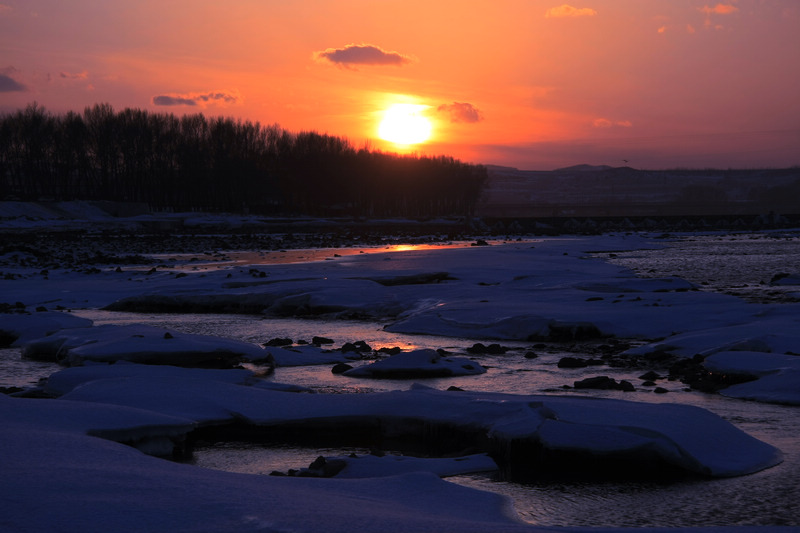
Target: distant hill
(583, 168)
(605, 191)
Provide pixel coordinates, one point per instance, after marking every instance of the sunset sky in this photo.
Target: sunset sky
(531, 84)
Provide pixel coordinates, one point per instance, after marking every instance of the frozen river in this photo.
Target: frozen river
(764, 498)
(733, 264)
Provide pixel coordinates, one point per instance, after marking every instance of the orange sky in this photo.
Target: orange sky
(531, 84)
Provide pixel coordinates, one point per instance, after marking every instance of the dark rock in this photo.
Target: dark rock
(277, 473)
(480, 242)
(478, 347)
(659, 356)
(492, 349)
(413, 279)
(7, 338)
(598, 382)
(318, 463)
(279, 342)
(580, 331)
(777, 277)
(363, 346)
(357, 346)
(333, 467)
(572, 362)
(604, 383)
(530, 355)
(321, 340)
(703, 384)
(650, 376)
(693, 374)
(660, 390)
(391, 351)
(168, 335)
(348, 347)
(648, 384)
(496, 349)
(340, 368)
(576, 362)
(41, 309)
(453, 388)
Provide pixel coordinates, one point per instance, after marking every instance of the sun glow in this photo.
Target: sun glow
(405, 124)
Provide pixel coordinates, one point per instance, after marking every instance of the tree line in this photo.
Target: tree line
(195, 163)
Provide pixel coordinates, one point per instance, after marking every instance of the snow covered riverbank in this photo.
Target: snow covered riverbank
(551, 290)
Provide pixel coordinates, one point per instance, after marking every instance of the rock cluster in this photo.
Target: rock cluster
(320, 467)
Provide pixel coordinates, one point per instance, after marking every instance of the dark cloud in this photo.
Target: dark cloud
(218, 96)
(461, 112)
(195, 99)
(74, 75)
(9, 84)
(172, 100)
(362, 54)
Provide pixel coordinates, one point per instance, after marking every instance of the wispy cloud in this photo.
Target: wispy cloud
(719, 9)
(74, 75)
(569, 11)
(196, 99)
(606, 123)
(9, 84)
(362, 54)
(461, 112)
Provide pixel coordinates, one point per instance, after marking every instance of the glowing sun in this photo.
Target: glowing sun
(405, 124)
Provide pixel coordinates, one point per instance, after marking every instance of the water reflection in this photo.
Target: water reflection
(225, 259)
(18, 372)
